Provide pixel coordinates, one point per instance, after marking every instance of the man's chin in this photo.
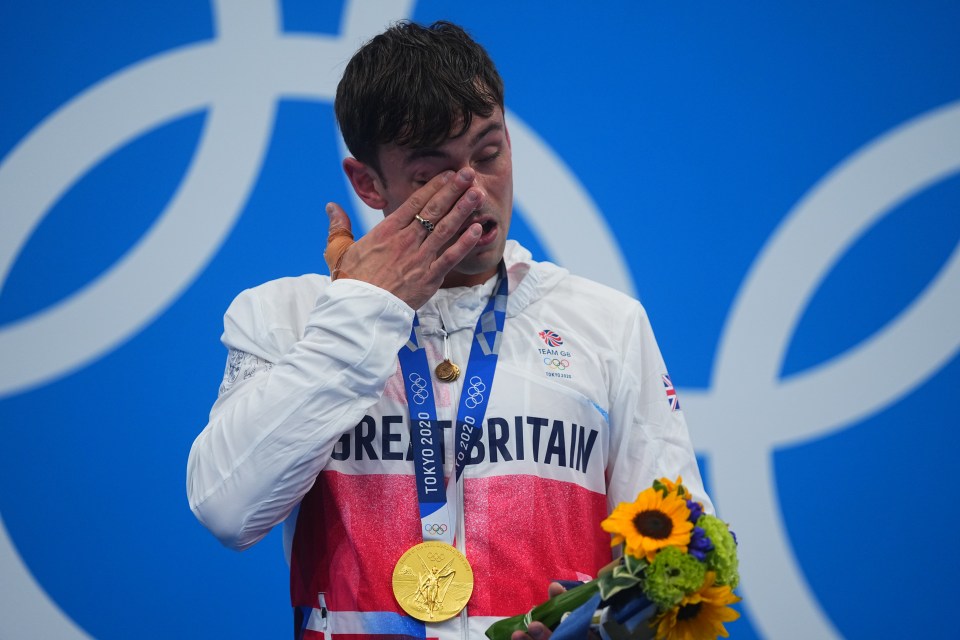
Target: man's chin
(474, 269)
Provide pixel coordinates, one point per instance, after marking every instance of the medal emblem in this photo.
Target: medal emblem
(432, 581)
(447, 371)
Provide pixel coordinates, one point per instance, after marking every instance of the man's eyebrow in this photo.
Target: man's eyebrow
(490, 128)
(437, 152)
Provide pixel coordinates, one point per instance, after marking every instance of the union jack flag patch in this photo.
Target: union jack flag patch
(672, 397)
(551, 338)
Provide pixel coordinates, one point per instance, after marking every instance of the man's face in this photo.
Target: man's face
(485, 147)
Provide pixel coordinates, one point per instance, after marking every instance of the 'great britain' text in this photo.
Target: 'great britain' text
(553, 442)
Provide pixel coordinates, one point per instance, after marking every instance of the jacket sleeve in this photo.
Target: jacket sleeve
(286, 400)
(649, 435)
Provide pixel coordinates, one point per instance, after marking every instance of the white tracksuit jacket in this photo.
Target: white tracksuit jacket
(311, 428)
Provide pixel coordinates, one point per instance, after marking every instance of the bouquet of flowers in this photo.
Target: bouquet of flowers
(674, 582)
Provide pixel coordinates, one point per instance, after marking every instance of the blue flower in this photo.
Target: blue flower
(700, 544)
(696, 510)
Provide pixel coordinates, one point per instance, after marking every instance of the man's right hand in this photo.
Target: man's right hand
(537, 630)
(399, 254)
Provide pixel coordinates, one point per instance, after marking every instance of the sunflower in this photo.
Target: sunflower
(700, 614)
(651, 523)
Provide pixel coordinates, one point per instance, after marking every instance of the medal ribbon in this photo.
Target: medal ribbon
(425, 432)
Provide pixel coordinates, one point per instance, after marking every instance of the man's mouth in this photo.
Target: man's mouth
(488, 228)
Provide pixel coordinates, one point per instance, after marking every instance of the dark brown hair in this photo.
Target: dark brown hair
(414, 86)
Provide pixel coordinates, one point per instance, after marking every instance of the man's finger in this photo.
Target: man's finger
(456, 220)
(339, 239)
(434, 201)
(537, 631)
(454, 185)
(452, 255)
(415, 204)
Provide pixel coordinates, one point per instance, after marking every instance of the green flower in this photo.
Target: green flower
(672, 575)
(723, 558)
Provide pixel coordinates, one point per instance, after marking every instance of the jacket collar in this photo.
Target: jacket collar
(458, 307)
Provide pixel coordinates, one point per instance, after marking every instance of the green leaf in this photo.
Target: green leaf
(623, 576)
(634, 565)
(613, 586)
(549, 612)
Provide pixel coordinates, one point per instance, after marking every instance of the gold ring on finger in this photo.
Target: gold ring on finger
(429, 226)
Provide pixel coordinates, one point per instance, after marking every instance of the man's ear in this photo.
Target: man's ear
(365, 182)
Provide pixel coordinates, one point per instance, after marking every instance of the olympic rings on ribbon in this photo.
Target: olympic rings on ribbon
(434, 528)
(475, 392)
(554, 363)
(419, 388)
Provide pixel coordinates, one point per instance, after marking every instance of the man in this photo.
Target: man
(443, 424)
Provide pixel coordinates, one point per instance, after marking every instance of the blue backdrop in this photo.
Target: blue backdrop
(777, 182)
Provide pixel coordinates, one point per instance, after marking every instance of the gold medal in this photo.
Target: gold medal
(447, 371)
(432, 581)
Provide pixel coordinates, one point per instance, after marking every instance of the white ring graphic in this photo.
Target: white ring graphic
(751, 411)
(239, 76)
